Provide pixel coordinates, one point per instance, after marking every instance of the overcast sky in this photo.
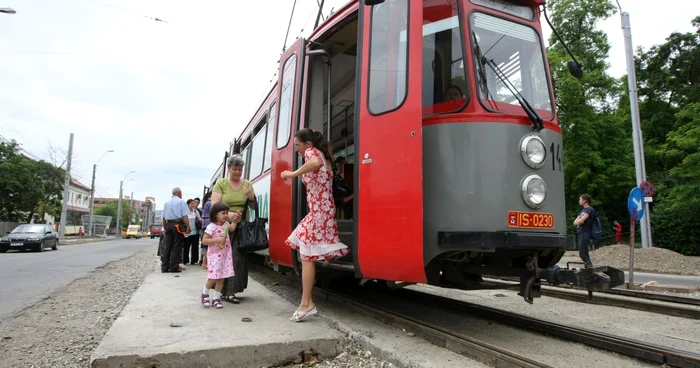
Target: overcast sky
(169, 97)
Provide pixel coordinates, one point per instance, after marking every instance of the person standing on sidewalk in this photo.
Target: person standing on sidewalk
(219, 250)
(175, 212)
(206, 209)
(190, 250)
(584, 223)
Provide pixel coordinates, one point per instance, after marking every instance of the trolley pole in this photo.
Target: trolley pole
(66, 191)
(637, 140)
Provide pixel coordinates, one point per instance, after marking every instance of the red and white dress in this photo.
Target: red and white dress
(316, 236)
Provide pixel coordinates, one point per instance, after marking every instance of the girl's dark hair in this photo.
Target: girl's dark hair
(206, 197)
(318, 140)
(216, 208)
(189, 201)
(587, 198)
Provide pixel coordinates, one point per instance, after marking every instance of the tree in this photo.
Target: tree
(110, 209)
(597, 145)
(26, 185)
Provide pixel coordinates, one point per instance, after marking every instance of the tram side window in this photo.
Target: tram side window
(244, 154)
(444, 74)
(286, 98)
(267, 163)
(387, 57)
(257, 153)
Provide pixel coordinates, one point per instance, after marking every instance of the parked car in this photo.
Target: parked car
(30, 236)
(156, 230)
(134, 231)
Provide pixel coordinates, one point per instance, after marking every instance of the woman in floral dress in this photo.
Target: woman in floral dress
(316, 236)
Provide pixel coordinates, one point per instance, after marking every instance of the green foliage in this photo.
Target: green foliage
(594, 114)
(27, 186)
(110, 209)
(677, 229)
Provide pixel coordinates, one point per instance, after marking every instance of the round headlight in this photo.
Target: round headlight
(533, 151)
(534, 191)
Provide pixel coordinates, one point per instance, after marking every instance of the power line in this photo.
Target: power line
(38, 52)
(132, 12)
(284, 46)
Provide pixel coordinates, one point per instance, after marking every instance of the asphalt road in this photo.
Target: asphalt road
(29, 277)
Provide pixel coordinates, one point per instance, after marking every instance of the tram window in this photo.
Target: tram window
(387, 57)
(244, 155)
(516, 50)
(286, 97)
(257, 153)
(268, 143)
(444, 76)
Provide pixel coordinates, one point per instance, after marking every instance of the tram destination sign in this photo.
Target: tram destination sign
(530, 220)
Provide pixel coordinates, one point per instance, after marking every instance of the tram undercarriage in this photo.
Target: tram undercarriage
(466, 270)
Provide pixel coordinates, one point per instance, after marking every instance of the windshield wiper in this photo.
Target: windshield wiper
(481, 59)
(531, 113)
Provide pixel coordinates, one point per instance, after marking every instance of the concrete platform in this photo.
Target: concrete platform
(164, 325)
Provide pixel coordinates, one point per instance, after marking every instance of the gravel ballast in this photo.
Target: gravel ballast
(653, 260)
(64, 329)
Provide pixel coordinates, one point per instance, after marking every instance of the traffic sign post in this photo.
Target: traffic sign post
(635, 206)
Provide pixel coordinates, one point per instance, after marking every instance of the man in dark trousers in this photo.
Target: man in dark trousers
(174, 213)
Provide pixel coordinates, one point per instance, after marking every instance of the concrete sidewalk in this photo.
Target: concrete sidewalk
(164, 325)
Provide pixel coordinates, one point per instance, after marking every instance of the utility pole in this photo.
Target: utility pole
(119, 210)
(91, 230)
(66, 191)
(637, 140)
(131, 205)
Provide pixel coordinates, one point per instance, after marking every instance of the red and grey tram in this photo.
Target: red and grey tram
(444, 114)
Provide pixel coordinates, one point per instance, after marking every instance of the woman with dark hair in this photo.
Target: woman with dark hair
(584, 223)
(316, 236)
(206, 209)
(235, 192)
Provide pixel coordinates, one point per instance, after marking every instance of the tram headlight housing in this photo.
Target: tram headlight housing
(534, 191)
(533, 151)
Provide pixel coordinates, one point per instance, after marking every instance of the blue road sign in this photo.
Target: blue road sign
(635, 204)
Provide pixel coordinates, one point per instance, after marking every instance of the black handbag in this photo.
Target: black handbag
(251, 235)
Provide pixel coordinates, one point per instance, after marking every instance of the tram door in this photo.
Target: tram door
(283, 154)
(389, 149)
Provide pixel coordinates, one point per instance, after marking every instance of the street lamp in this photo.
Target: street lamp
(119, 204)
(92, 193)
(7, 11)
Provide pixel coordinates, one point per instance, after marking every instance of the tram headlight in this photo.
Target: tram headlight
(534, 191)
(533, 151)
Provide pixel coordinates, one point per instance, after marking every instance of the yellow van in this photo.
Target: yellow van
(133, 232)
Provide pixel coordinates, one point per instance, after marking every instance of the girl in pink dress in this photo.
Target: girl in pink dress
(316, 236)
(219, 255)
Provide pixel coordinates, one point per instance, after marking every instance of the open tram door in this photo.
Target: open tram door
(388, 142)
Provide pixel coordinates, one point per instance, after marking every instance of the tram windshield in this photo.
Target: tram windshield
(516, 50)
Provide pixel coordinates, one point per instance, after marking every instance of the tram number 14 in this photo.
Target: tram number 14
(556, 158)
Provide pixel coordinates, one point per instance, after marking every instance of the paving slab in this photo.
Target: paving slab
(164, 325)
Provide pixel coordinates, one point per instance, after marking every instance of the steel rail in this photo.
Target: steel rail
(622, 345)
(671, 305)
(478, 350)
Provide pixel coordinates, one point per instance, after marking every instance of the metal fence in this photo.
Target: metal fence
(7, 226)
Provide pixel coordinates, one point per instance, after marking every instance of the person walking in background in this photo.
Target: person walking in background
(584, 223)
(220, 260)
(617, 228)
(316, 236)
(190, 250)
(175, 212)
(206, 209)
(235, 192)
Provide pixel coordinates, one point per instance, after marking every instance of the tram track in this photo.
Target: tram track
(671, 305)
(361, 300)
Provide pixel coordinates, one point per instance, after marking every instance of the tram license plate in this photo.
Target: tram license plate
(16, 244)
(531, 220)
